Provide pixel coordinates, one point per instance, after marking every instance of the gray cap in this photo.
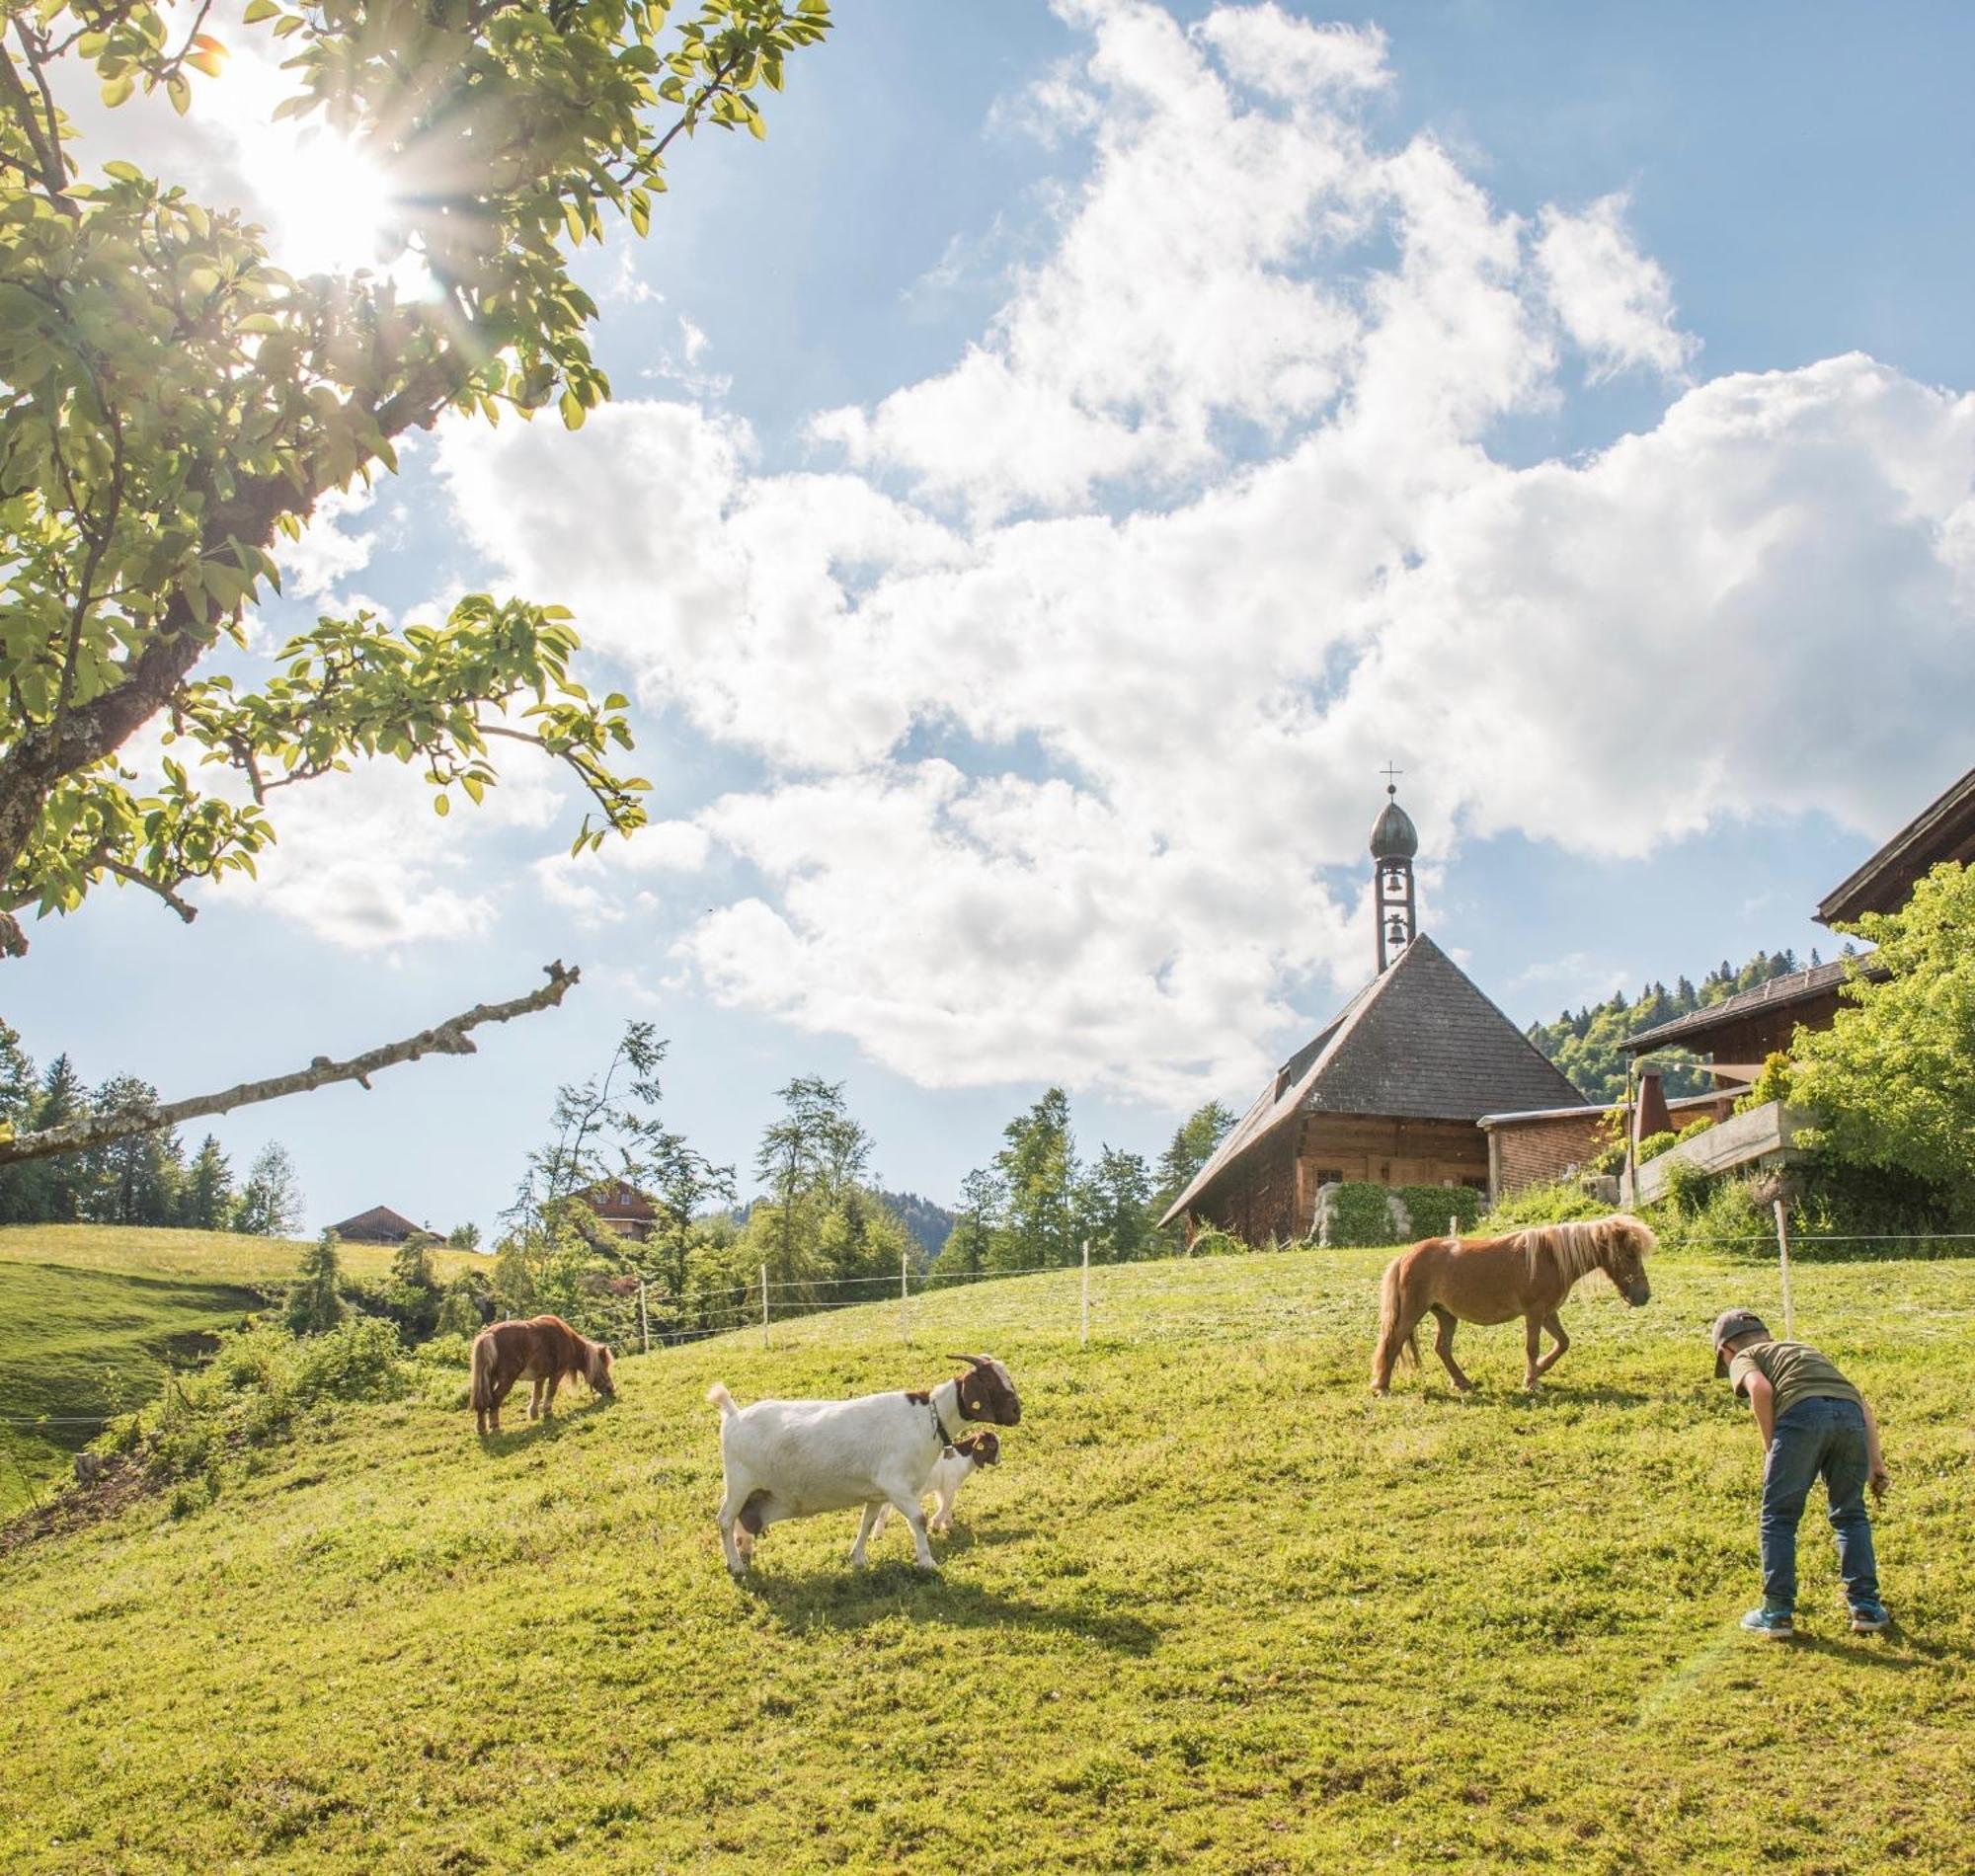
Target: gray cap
(1727, 1326)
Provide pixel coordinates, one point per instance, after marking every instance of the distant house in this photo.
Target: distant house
(621, 1207)
(1392, 1091)
(379, 1225)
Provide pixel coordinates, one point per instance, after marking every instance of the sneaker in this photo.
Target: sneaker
(1776, 1624)
(1870, 1619)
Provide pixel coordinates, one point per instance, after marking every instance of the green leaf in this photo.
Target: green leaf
(118, 89)
(441, 806)
(259, 10)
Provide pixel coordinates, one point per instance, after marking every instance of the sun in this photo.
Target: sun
(330, 204)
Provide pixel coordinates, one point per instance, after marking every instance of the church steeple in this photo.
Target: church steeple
(1394, 841)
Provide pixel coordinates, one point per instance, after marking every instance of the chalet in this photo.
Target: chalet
(379, 1225)
(1389, 1091)
(621, 1207)
(1739, 1033)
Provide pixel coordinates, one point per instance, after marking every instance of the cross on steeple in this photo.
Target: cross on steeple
(1392, 776)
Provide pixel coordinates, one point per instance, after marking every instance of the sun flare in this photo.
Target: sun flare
(331, 204)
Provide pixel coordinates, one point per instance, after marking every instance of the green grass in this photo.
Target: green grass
(1217, 1609)
(81, 1345)
(217, 1256)
(90, 1314)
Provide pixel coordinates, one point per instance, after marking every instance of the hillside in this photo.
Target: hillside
(221, 1256)
(1217, 1609)
(90, 1315)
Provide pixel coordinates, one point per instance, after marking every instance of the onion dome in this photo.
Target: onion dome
(1394, 837)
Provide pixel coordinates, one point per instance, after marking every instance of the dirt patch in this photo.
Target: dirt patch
(76, 1507)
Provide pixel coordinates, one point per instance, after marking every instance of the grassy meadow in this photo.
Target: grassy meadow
(1217, 1609)
(91, 1315)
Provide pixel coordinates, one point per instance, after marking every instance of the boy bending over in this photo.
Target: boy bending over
(1814, 1422)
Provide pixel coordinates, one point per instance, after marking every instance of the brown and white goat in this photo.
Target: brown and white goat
(794, 1458)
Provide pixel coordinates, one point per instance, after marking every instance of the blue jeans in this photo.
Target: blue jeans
(1826, 1437)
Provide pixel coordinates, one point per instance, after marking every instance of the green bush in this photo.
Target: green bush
(1654, 1144)
(1360, 1213)
(1214, 1242)
(250, 1395)
(1553, 1203)
(1430, 1206)
(357, 1361)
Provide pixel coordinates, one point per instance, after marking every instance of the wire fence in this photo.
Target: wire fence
(1169, 1301)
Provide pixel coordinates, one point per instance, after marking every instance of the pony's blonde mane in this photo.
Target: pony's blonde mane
(1577, 1247)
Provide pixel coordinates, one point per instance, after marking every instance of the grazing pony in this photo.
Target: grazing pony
(542, 1350)
(1527, 1273)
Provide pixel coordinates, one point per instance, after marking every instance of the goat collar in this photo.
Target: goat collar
(938, 1420)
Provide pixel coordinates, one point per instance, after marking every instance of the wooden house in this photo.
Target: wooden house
(622, 1209)
(1392, 1090)
(1740, 1031)
(379, 1225)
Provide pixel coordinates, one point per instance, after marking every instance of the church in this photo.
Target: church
(1389, 1091)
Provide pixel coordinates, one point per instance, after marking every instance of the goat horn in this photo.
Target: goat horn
(972, 1360)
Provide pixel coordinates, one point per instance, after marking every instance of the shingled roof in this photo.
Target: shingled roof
(1944, 830)
(1419, 1042)
(379, 1225)
(1795, 988)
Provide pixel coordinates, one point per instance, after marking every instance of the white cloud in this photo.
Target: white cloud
(1050, 788)
(365, 862)
(1616, 302)
(313, 566)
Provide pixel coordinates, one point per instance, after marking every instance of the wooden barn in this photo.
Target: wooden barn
(379, 1225)
(1391, 1091)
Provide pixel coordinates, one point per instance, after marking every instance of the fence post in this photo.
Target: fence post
(1782, 1256)
(1454, 1224)
(764, 1305)
(1084, 1322)
(644, 1318)
(904, 1299)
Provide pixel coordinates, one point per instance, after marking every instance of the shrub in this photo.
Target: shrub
(359, 1360)
(1654, 1144)
(1214, 1242)
(249, 1394)
(1356, 1211)
(1428, 1208)
(1553, 1203)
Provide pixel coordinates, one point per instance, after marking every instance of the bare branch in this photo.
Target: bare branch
(448, 1038)
(130, 876)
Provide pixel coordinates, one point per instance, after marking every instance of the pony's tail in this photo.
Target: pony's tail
(722, 1399)
(481, 1400)
(1388, 1316)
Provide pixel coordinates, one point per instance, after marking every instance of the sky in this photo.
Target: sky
(1047, 480)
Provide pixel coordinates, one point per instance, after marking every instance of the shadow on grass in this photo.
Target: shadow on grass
(1892, 1648)
(854, 1599)
(1551, 1394)
(532, 1432)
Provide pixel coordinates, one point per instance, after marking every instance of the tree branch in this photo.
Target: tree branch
(448, 1038)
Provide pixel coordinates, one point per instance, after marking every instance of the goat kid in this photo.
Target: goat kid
(796, 1458)
(954, 1467)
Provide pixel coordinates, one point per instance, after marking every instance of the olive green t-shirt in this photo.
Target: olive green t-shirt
(1796, 1373)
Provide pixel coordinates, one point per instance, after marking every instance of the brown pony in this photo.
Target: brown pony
(543, 1350)
(1527, 1274)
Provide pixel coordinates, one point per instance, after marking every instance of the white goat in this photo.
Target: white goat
(954, 1467)
(794, 1458)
